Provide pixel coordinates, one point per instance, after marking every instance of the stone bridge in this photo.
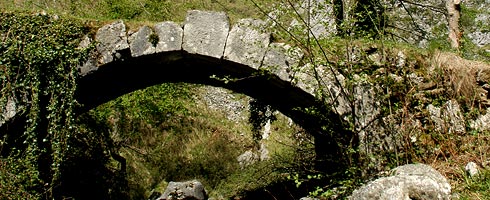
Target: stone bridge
(204, 50)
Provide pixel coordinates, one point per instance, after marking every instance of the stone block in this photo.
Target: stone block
(140, 42)
(111, 39)
(205, 33)
(247, 43)
(169, 36)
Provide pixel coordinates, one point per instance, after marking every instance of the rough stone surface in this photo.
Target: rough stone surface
(91, 64)
(253, 156)
(471, 169)
(169, 36)
(9, 112)
(416, 24)
(191, 190)
(413, 181)
(205, 33)
(480, 38)
(448, 118)
(264, 152)
(111, 39)
(247, 158)
(222, 100)
(482, 123)
(139, 42)
(321, 18)
(282, 60)
(247, 42)
(305, 79)
(308, 198)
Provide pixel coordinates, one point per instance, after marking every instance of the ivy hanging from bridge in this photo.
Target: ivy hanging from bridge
(38, 70)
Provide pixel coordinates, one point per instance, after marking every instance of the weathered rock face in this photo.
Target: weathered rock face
(320, 16)
(448, 119)
(282, 60)
(169, 36)
(164, 37)
(9, 112)
(482, 123)
(111, 40)
(253, 156)
(479, 31)
(205, 33)
(224, 101)
(248, 42)
(413, 181)
(191, 190)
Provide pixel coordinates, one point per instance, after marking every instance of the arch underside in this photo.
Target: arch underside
(120, 77)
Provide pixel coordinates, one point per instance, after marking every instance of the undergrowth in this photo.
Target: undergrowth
(142, 140)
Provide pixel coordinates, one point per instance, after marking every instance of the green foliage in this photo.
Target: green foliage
(87, 172)
(475, 187)
(260, 113)
(139, 10)
(370, 18)
(151, 105)
(18, 180)
(39, 59)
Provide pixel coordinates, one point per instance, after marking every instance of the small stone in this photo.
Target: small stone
(308, 198)
(471, 169)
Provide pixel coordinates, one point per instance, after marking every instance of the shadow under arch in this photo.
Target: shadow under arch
(120, 77)
(129, 74)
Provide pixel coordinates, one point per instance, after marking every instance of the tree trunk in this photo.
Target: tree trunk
(454, 13)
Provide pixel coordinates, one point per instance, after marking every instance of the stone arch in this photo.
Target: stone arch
(206, 51)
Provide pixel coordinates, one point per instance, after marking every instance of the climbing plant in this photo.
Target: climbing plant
(38, 70)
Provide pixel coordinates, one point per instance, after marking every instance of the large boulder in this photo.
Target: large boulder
(412, 181)
(189, 190)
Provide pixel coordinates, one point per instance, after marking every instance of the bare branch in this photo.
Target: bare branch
(433, 8)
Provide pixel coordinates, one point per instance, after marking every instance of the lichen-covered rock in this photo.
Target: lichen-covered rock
(321, 18)
(222, 100)
(189, 190)
(111, 40)
(140, 42)
(414, 23)
(308, 198)
(169, 36)
(482, 123)
(90, 64)
(247, 43)
(8, 112)
(447, 118)
(247, 158)
(205, 33)
(412, 181)
(282, 60)
(253, 156)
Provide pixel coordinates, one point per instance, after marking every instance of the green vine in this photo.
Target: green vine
(38, 69)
